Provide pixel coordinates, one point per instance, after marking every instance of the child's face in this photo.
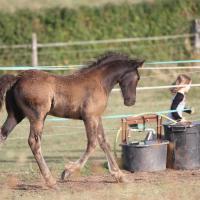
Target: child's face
(187, 88)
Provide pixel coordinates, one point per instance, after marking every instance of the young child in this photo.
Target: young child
(178, 101)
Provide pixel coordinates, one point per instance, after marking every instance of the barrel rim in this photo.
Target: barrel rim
(138, 145)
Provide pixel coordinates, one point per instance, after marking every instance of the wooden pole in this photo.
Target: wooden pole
(197, 36)
(34, 50)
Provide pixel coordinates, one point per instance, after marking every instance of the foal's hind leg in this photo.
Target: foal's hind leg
(35, 145)
(8, 126)
(112, 164)
(91, 125)
(14, 117)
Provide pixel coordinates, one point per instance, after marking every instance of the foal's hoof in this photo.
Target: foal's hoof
(51, 184)
(54, 187)
(120, 178)
(123, 179)
(65, 174)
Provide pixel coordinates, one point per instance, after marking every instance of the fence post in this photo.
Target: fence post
(197, 36)
(34, 50)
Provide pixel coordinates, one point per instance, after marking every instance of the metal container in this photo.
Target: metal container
(184, 145)
(144, 156)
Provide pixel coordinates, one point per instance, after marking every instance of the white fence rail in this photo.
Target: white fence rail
(91, 42)
(36, 53)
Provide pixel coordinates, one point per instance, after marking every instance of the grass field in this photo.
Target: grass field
(65, 141)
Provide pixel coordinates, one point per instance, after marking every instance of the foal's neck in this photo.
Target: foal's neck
(111, 75)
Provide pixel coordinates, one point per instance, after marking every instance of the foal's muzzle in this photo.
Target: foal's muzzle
(129, 102)
(2, 138)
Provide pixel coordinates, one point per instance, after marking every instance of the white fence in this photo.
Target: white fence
(61, 53)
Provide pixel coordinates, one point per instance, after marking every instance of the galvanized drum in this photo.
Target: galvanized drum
(184, 145)
(145, 156)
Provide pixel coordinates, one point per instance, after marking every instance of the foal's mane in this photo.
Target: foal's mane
(100, 61)
(105, 59)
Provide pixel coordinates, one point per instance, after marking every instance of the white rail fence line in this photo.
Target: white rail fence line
(91, 42)
(170, 67)
(118, 89)
(122, 40)
(76, 67)
(195, 118)
(35, 45)
(159, 87)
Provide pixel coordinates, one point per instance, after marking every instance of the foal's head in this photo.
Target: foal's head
(129, 80)
(122, 70)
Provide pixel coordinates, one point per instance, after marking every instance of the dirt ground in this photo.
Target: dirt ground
(169, 184)
(65, 141)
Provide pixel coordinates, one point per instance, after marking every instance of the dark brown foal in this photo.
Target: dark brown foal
(82, 95)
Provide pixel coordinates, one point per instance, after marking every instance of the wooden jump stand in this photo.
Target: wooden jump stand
(151, 118)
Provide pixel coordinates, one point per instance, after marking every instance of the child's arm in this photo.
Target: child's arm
(178, 98)
(189, 110)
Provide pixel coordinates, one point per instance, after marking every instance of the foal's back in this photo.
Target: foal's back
(63, 96)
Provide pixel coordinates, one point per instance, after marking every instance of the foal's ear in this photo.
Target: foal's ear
(140, 63)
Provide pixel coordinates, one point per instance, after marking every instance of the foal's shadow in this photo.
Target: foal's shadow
(29, 187)
(40, 186)
(89, 181)
(37, 187)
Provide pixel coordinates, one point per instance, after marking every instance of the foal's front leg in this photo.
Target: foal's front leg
(91, 125)
(112, 164)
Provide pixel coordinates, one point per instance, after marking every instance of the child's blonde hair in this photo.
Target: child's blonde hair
(182, 79)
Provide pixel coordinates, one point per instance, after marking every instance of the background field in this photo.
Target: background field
(65, 141)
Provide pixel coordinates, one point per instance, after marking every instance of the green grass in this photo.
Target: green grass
(65, 141)
(160, 18)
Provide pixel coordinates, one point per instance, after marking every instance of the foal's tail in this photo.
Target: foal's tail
(6, 82)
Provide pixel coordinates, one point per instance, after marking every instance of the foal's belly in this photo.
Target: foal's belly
(65, 110)
(65, 115)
